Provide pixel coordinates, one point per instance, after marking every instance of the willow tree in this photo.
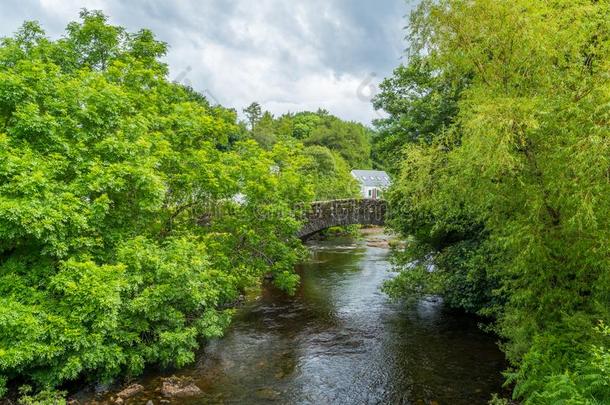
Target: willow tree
(526, 159)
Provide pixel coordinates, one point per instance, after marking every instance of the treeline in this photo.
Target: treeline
(110, 257)
(499, 139)
(334, 147)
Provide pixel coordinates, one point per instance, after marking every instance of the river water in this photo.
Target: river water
(340, 340)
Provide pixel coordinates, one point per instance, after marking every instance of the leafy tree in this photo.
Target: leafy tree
(333, 147)
(264, 131)
(253, 113)
(351, 140)
(304, 123)
(521, 172)
(421, 103)
(330, 174)
(121, 241)
(94, 42)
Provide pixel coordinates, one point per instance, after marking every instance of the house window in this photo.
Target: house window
(370, 192)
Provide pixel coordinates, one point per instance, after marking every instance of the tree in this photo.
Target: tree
(94, 42)
(524, 161)
(421, 103)
(330, 174)
(121, 244)
(264, 131)
(349, 139)
(333, 147)
(253, 114)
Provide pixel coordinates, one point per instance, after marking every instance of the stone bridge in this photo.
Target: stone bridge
(324, 214)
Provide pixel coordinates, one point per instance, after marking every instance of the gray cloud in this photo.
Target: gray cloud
(289, 56)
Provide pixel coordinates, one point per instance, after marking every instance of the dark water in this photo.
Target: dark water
(341, 341)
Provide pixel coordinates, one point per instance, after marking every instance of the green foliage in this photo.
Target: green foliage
(350, 140)
(587, 383)
(264, 131)
(3, 388)
(446, 234)
(459, 273)
(44, 397)
(333, 147)
(121, 241)
(421, 104)
(496, 400)
(253, 113)
(330, 174)
(506, 191)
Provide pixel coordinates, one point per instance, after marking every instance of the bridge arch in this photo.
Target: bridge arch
(325, 214)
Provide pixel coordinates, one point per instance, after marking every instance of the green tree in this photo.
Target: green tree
(304, 123)
(524, 162)
(264, 132)
(349, 139)
(330, 174)
(253, 114)
(94, 43)
(334, 147)
(121, 241)
(421, 103)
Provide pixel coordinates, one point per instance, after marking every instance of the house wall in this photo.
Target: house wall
(365, 191)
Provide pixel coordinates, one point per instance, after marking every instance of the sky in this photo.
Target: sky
(287, 55)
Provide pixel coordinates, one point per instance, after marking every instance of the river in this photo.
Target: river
(340, 340)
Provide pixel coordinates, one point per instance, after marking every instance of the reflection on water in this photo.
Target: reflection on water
(341, 341)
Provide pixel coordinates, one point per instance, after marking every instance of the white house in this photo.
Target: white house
(372, 182)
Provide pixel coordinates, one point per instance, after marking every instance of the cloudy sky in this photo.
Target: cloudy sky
(287, 55)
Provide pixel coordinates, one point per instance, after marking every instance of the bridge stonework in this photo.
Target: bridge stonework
(324, 214)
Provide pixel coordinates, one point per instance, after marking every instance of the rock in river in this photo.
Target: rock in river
(130, 391)
(179, 387)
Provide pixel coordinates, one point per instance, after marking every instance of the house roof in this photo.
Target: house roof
(372, 178)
